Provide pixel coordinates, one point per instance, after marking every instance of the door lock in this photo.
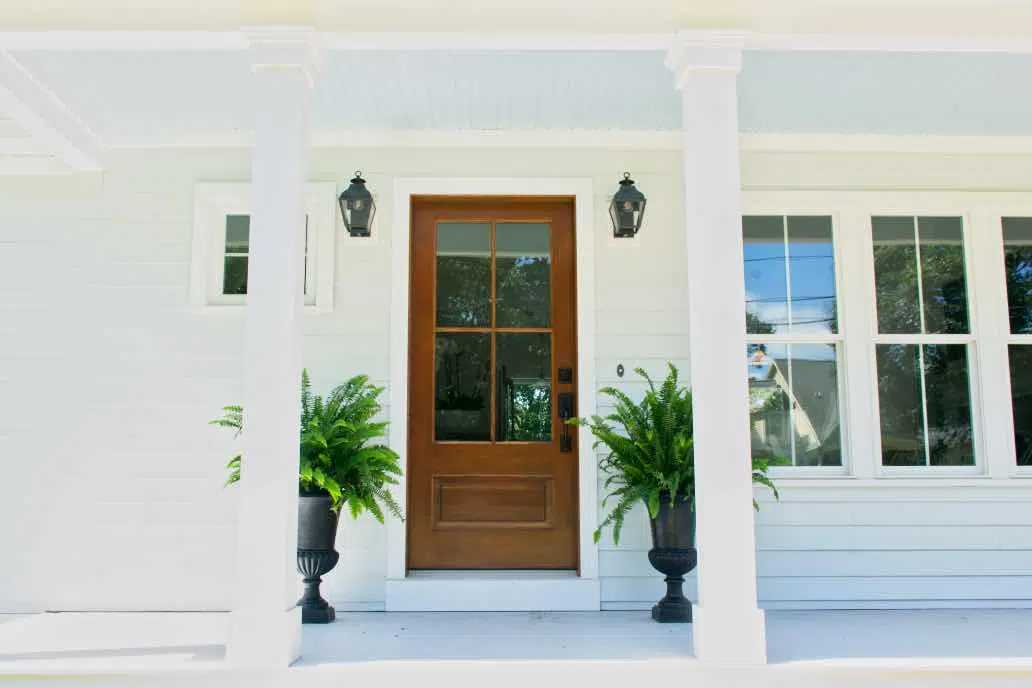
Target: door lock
(566, 410)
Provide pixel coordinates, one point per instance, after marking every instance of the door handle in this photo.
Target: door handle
(566, 410)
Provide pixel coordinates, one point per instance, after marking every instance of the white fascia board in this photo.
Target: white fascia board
(609, 140)
(34, 108)
(431, 138)
(501, 41)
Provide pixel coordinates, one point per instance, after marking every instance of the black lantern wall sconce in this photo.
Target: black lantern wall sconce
(357, 207)
(627, 209)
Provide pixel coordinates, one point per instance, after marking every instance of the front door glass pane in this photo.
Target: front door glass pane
(493, 381)
(523, 264)
(462, 381)
(524, 386)
(464, 274)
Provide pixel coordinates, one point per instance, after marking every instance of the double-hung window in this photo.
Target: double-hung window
(793, 337)
(923, 345)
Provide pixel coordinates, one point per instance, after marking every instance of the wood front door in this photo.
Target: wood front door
(492, 470)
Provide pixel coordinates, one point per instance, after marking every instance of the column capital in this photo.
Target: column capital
(697, 50)
(276, 48)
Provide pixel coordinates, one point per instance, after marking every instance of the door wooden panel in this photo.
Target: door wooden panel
(491, 482)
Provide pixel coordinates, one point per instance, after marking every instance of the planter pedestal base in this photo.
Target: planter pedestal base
(673, 562)
(312, 564)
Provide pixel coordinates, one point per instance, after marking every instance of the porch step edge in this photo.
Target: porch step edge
(484, 594)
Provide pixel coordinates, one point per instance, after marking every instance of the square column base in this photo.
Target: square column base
(264, 640)
(735, 637)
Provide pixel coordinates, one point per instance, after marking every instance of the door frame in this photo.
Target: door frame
(585, 235)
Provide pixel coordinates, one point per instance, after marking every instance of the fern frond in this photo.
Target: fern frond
(650, 449)
(338, 453)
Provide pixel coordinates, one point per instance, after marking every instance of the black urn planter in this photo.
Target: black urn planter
(316, 536)
(673, 554)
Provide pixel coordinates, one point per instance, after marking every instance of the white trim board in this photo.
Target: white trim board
(187, 40)
(35, 108)
(480, 593)
(637, 139)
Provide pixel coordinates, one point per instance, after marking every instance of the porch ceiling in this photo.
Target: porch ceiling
(170, 98)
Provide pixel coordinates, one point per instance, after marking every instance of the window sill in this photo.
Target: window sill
(901, 482)
(239, 309)
(809, 473)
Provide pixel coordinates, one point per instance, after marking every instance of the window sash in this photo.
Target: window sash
(919, 243)
(785, 242)
(836, 338)
(219, 271)
(789, 374)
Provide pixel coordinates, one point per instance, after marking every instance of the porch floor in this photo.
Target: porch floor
(99, 643)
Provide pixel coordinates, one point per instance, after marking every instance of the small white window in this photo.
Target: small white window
(221, 246)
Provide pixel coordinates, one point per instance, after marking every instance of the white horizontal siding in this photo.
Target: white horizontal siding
(108, 379)
(840, 546)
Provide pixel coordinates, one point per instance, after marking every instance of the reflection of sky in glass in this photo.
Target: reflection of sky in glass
(810, 269)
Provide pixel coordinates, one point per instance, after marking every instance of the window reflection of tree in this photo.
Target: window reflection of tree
(525, 411)
(1018, 264)
(945, 371)
(523, 291)
(463, 362)
(463, 291)
(524, 405)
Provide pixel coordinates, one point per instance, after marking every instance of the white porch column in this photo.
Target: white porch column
(729, 627)
(265, 625)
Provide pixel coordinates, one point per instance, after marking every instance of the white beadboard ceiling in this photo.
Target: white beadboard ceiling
(163, 98)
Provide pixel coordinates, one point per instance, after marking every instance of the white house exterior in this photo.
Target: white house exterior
(127, 139)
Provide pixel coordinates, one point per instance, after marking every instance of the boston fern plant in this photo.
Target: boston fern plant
(651, 450)
(337, 458)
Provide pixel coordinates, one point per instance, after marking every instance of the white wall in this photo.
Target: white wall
(111, 493)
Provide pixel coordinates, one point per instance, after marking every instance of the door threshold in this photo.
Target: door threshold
(492, 591)
(491, 574)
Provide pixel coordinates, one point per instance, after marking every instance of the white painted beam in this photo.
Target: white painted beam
(34, 108)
